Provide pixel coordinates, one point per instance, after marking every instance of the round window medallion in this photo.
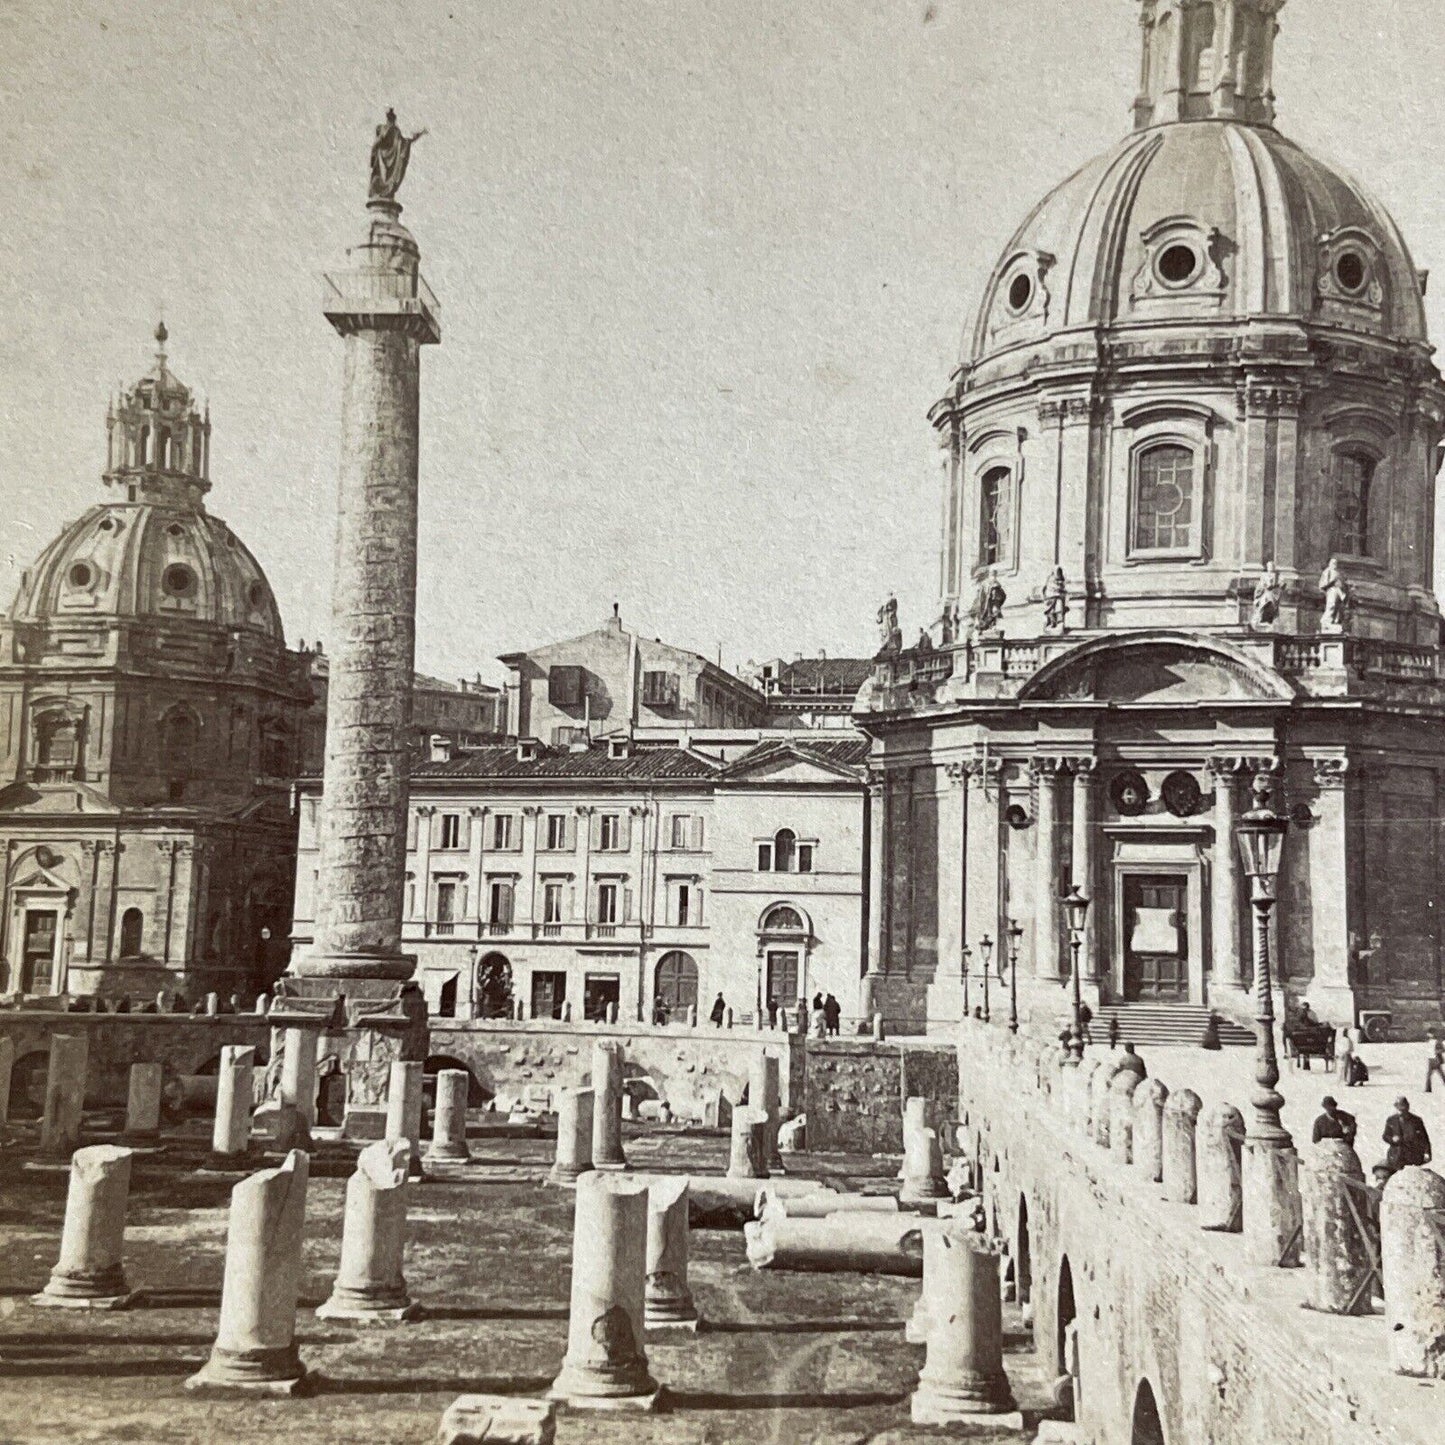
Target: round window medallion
(174, 530)
(1177, 264)
(107, 524)
(1351, 271)
(256, 594)
(1020, 292)
(81, 575)
(178, 581)
(1129, 792)
(1016, 816)
(1181, 794)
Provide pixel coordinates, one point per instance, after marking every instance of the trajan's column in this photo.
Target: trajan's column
(353, 973)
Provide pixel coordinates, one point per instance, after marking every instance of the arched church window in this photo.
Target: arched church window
(1354, 476)
(131, 923)
(57, 741)
(143, 447)
(178, 751)
(784, 850)
(995, 536)
(1165, 503)
(783, 919)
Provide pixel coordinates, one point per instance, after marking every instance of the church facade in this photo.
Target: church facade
(1189, 464)
(148, 735)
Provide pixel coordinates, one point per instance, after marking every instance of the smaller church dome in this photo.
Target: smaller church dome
(152, 550)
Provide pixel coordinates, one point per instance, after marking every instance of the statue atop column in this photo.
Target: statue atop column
(1056, 601)
(390, 155)
(987, 609)
(890, 635)
(1336, 592)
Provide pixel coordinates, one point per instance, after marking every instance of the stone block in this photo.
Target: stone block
(498, 1420)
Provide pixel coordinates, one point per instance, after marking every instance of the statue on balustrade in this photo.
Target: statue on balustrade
(1336, 593)
(1056, 601)
(988, 601)
(1268, 591)
(889, 632)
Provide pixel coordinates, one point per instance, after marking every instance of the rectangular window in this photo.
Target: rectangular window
(502, 832)
(607, 903)
(1164, 502)
(1354, 473)
(551, 903)
(610, 833)
(680, 830)
(765, 857)
(446, 907)
(556, 831)
(684, 897)
(995, 536)
(500, 902)
(451, 830)
(805, 857)
(565, 687)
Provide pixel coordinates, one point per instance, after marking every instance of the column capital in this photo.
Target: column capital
(1224, 768)
(1048, 765)
(425, 810)
(1082, 767)
(1331, 772)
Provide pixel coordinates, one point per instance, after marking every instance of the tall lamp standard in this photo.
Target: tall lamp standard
(967, 954)
(1076, 909)
(985, 947)
(1015, 933)
(1261, 842)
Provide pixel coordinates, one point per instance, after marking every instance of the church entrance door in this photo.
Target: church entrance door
(1156, 938)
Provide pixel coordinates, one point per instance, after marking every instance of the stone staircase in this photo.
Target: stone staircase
(1166, 1025)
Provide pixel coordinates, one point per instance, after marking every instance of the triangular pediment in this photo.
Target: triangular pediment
(66, 799)
(788, 763)
(36, 879)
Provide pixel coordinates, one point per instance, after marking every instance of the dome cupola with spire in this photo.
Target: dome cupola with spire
(1203, 353)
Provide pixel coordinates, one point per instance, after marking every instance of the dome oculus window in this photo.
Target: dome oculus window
(1020, 293)
(178, 581)
(1165, 508)
(1352, 272)
(256, 595)
(80, 575)
(1178, 264)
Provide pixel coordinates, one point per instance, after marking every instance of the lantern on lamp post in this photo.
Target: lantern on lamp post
(985, 947)
(1076, 910)
(1261, 844)
(1015, 933)
(967, 954)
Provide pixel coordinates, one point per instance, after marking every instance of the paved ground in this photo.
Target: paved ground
(802, 1359)
(1228, 1077)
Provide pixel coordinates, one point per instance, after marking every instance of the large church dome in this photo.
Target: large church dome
(1209, 219)
(152, 550)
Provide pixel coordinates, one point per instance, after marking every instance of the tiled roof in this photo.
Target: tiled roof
(838, 675)
(660, 764)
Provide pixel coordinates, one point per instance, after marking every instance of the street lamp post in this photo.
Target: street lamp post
(967, 954)
(1076, 908)
(1261, 842)
(1015, 933)
(985, 947)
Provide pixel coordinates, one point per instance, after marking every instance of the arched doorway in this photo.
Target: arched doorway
(494, 987)
(674, 985)
(1023, 1260)
(1148, 1428)
(1065, 1313)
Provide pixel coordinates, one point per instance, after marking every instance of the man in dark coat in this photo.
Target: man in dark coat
(1408, 1141)
(719, 1010)
(1334, 1123)
(833, 1013)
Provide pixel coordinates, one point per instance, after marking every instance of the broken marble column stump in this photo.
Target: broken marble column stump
(922, 1167)
(1122, 1088)
(143, 1101)
(748, 1147)
(1337, 1263)
(606, 1365)
(1179, 1167)
(370, 1286)
(231, 1131)
(1149, 1101)
(668, 1302)
(849, 1243)
(449, 1122)
(255, 1346)
(765, 1096)
(1218, 1141)
(1412, 1262)
(498, 1420)
(574, 1136)
(404, 1107)
(298, 1072)
(90, 1273)
(1270, 1203)
(963, 1375)
(64, 1094)
(607, 1106)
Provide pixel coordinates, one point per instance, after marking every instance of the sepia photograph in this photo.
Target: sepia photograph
(722, 721)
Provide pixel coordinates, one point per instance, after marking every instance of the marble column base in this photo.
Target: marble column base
(937, 1404)
(275, 1372)
(102, 1290)
(369, 1306)
(588, 1390)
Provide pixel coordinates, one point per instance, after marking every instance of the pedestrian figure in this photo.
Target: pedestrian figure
(1435, 1064)
(1113, 1031)
(719, 1011)
(1086, 1017)
(833, 1012)
(772, 1012)
(1406, 1136)
(1334, 1123)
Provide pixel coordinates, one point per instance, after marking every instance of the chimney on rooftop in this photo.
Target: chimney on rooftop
(441, 748)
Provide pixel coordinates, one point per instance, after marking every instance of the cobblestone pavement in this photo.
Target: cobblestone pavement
(802, 1359)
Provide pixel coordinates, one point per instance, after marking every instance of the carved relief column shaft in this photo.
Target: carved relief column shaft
(1225, 899)
(1081, 869)
(877, 868)
(953, 784)
(1047, 773)
(1331, 989)
(981, 853)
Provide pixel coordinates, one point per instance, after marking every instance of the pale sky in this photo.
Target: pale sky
(703, 269)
